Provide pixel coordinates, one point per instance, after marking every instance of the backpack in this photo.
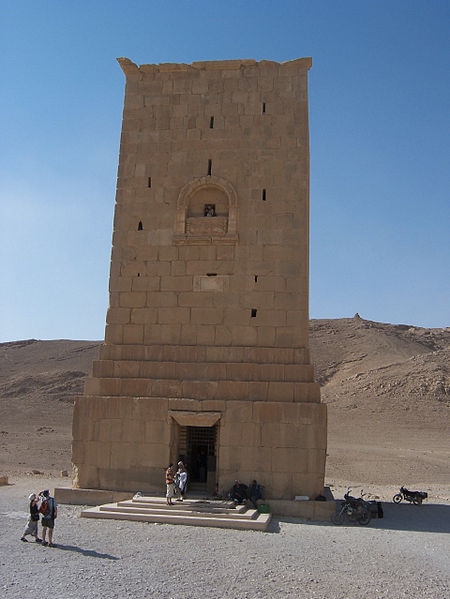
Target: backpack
(44, 507)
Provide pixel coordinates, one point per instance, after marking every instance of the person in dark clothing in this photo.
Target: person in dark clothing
(254, 493)
(33, 519)
(238, 492)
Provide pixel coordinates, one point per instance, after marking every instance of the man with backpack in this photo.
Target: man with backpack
(49, 511)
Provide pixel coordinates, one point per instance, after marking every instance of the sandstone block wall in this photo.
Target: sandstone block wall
(207, 325)
(124, 443)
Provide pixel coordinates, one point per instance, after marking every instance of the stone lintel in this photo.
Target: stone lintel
(205, 240)
(189, 418)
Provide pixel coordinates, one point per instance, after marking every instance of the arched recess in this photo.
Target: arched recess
(206, 212)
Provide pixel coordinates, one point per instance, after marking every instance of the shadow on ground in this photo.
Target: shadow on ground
(423, 518)
(86, 552)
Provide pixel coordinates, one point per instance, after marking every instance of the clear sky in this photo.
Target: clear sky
(379, 127)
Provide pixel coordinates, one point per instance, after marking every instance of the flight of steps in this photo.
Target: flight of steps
(190, 512)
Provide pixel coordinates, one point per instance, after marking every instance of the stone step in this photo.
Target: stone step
(188, 505)
(205, 353)
(217, 514)
(213, 389)
(202, 371)
(178, 510)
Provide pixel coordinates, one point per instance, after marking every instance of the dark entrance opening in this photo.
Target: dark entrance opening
(200, 454)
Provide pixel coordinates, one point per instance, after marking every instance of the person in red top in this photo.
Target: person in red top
(170, 484)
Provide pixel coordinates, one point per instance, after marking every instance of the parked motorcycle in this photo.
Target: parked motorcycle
(415, 497)
(353, 509)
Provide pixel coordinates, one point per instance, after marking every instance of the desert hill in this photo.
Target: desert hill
(381, 365)
(387, 387)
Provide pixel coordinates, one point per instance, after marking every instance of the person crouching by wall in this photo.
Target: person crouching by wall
(238, 492)
(255, 493)
(33, 520)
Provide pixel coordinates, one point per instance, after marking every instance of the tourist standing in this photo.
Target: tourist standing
(170, 484)
(49, 511)
(181, 480)
(33, 519)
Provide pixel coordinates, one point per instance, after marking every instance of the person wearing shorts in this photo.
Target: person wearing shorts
(170, 484)
(48, 519)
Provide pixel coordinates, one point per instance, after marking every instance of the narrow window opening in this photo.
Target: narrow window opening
(263, 195)
(149, 184)
(256, 278)
(140, 227)
(211, 274)
(254, 310)
(264, 108)
(209, 167)
(211, 123)
(139, 274)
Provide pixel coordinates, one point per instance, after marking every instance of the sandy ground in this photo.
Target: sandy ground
(405, 554)
(387, 392)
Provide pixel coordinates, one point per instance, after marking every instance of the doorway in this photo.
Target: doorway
(199, 453)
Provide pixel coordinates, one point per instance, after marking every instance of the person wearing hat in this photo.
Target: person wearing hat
(33, 519)
(49, 511)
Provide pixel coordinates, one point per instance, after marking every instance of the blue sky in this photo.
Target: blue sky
(379, 127)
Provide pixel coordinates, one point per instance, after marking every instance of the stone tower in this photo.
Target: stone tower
(206, 352)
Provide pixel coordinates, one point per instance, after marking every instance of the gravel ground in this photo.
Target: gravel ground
(405, 554)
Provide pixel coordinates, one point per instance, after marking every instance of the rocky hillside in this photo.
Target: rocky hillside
(359, 358)
(355, 360)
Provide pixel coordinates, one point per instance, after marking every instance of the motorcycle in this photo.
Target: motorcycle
(353, 509)
(415, 497)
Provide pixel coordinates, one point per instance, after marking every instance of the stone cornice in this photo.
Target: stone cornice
(131, 69)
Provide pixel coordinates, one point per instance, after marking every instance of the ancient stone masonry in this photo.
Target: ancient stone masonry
(206, 353)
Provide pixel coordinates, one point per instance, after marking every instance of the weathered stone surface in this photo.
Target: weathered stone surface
(206, 354)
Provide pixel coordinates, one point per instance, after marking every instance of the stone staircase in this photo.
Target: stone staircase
(190, 512)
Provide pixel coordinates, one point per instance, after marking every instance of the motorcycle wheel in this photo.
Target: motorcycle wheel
(338, 518)
(397, 498)
(365, 518)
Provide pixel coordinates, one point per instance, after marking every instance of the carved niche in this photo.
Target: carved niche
(206, 212)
